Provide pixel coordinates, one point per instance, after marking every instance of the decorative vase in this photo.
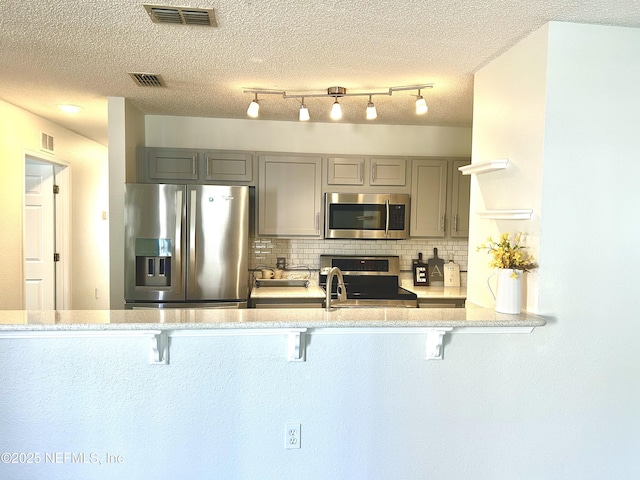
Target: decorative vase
(508, 294)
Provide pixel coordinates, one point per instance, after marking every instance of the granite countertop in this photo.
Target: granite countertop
(208, 319)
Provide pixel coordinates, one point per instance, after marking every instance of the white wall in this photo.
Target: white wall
(508, 122)
(19, 134)
(302, 137)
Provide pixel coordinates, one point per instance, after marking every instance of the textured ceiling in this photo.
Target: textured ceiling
(81, 51)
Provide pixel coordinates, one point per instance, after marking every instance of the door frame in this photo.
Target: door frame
(62, 225)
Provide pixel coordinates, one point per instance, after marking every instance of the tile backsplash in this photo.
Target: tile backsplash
(305, 254)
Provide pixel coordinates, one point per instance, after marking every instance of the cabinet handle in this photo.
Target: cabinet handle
(361, 172)
(455, 223)
(317, 222)
(442, 223)
(373, 172)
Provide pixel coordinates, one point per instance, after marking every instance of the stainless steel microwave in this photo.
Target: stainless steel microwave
(366, 215)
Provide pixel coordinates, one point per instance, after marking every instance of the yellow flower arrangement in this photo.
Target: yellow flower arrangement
(508, 254)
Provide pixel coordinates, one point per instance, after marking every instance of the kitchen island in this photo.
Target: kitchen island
(161, 324)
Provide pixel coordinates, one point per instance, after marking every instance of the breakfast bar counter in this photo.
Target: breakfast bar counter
(160, 325)
(204, 319)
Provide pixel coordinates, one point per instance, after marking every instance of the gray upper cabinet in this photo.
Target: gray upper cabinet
(185, 165)
(370, 174)
(289, 195)
(428, 197)
(439, 198)
(388, 171)
(345, 170)
(460, 199)
(163, 165)
(228, 166)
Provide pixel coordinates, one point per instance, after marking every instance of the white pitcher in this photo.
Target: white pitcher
(508, 295)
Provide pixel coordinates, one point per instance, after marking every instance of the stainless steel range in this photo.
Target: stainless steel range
(371, 281)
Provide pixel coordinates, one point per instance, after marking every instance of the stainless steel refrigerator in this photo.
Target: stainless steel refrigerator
(186, 246)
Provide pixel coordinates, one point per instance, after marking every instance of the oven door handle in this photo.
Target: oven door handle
(386, 223)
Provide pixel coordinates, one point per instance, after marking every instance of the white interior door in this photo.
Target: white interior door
(39, 242)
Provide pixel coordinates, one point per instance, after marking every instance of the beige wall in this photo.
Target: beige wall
(20, 133)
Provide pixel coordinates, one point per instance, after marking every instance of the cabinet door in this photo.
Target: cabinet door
(388, 171)
(428, 198)
(228, 166)
(345, 171)
(460, 199)
(289, 195)
(167, 165)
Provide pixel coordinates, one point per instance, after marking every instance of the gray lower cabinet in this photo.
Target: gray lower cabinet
(441, 303)
(286, 302)
(289, 195)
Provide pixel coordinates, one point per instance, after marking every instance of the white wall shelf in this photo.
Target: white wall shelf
(484, 167)
(506, 214)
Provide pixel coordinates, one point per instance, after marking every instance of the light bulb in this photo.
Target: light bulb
(304, 112)
(336, 111)
(421, 105)
(253, 109)
(371, 111)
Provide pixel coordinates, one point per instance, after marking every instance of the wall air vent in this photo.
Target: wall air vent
(147, 79)
(46, 142)
(182, 15)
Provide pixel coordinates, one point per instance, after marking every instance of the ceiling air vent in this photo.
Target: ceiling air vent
(147, 79)
(182, 15)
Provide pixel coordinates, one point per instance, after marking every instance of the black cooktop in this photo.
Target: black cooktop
(366, 277)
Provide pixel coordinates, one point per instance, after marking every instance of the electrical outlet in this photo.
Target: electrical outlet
(292, 435)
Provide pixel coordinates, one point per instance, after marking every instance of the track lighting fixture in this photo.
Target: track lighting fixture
(371, 110)
(336, 93)
(254, 107)
(421, 105)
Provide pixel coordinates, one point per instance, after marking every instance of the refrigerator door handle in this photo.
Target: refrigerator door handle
(192, 236)
(178, 241)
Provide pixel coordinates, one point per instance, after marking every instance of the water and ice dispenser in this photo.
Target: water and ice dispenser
(153, 262)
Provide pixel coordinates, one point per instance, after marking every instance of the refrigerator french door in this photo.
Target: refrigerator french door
(186, 246)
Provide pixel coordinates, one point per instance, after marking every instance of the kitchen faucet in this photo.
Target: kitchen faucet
(341, 290)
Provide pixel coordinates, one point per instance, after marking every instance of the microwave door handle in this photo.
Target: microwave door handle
(386, 223)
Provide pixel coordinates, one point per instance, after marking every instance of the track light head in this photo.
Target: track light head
(304, 112)
(254, 108)
(421, 105)
(371, 110)
(336, 111)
